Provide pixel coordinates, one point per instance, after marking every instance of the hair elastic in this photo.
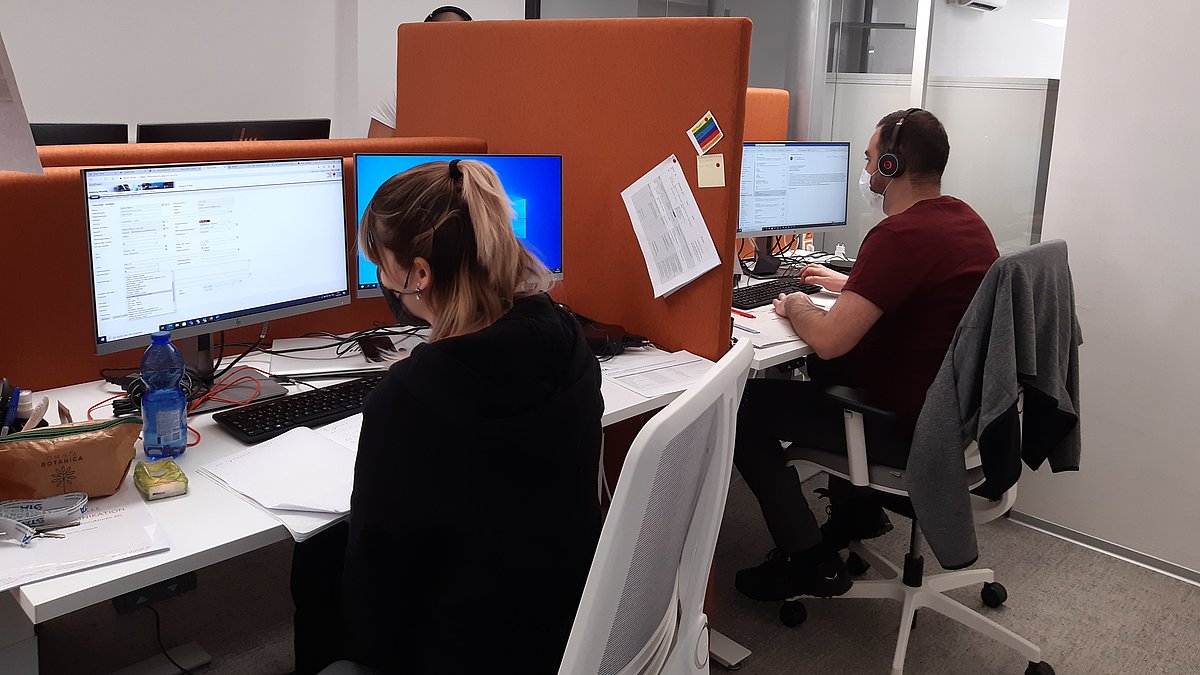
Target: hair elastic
(455, 172)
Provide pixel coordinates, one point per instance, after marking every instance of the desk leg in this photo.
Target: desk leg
(18, 642)
(726, 652)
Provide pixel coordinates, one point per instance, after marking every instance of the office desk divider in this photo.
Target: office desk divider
(614, 97)
(45, 250)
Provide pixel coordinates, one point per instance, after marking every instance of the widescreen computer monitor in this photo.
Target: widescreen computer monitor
(249, 130)
(78, 134)
(789, 187)
(200, 248)
(533, 183)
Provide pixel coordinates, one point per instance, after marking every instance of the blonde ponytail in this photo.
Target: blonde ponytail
(469, 292)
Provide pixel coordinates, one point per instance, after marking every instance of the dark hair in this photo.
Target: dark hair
(924, 146)
(448, 9)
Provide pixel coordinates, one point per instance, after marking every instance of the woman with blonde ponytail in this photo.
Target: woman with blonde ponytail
(474, 511)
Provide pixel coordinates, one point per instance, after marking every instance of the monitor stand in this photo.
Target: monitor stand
(197, 356)
(765, 264)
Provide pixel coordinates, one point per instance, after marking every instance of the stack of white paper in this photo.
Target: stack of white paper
(114, 528)
(658, 373)
(303, 477)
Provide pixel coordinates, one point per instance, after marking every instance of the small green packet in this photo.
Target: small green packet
(159, 479)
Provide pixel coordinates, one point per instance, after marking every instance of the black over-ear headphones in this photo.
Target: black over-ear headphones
(890, 163)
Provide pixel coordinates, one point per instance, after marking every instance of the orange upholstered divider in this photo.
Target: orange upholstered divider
(614, 97)
(46, 336)
(132, 154)
(766, 114)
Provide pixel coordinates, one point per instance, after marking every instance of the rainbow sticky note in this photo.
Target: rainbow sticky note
(705, 133)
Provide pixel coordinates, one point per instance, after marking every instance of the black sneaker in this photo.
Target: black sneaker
(783, 577)
(852, 521)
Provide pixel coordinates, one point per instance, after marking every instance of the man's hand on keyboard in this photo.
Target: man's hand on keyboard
(824, 277)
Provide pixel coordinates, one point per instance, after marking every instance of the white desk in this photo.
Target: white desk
(208, 525)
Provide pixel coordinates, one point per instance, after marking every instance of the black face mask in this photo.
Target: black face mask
(403, 316)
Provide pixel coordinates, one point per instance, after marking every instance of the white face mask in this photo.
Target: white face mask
(871, 197)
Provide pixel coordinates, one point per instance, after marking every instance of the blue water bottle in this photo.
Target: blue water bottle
(164, 407)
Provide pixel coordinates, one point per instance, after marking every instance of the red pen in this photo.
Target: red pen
(739, 312)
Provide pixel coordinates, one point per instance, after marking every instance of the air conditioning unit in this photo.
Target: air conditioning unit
(981, 5)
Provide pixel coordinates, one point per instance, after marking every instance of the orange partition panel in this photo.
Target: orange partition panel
(614, 97)
(133, 154)
(46, 339)
(766, 114)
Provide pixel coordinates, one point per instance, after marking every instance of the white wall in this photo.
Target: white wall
(776, 28)
(589, 9)
(377, 23)
(144, 61)
(1005, 43)
(152, 61)
(1120, 176)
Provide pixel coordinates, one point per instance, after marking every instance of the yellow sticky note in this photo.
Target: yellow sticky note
(710, 170)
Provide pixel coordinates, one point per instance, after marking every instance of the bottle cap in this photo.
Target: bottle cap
(25, 404)
(160, 337)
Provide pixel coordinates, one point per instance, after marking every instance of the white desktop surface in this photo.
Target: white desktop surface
(210, 523)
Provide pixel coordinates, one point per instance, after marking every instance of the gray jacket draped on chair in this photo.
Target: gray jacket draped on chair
(1019, 335)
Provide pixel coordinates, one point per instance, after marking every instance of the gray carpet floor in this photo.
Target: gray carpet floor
(1090, 613)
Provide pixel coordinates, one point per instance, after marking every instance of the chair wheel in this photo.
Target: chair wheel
(994, 595)
(856, 565)
(1039, 668)
(793, 613)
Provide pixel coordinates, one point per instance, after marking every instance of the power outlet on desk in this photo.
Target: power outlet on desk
(154, 593)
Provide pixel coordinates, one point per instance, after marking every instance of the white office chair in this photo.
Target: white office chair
(1042, 266)
(642, 610)
(909, 585)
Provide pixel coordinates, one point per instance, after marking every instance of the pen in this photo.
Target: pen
(739, 312)
(748, 330)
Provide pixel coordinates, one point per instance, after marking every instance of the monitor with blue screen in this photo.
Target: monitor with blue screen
(533, 183)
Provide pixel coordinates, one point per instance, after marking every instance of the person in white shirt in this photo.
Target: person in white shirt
(383, 115)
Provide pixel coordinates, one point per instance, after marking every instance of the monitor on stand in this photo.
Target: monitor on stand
(247, 130)
(78, 134)
(200, 248)
(790, 187)
(532, 182)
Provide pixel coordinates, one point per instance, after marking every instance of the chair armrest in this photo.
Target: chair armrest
(855, 400)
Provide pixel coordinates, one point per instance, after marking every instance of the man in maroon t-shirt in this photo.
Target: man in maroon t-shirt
(916, 272)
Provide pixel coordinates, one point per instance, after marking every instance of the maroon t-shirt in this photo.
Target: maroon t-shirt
(921, 267)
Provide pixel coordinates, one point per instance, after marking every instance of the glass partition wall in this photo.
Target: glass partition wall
(991, 77)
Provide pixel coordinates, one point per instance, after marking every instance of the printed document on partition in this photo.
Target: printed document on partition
(114, 528)
(17, 152)
(669, 227)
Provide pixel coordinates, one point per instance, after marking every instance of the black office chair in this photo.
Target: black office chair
(908, 584)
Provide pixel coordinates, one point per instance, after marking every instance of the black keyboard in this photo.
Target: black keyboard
(757, 295)
(258, 422)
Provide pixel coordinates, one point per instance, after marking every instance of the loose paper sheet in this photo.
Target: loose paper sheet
(665, 374)
(17, 152)
(670, 229)
(303, 524)
(114, 528)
